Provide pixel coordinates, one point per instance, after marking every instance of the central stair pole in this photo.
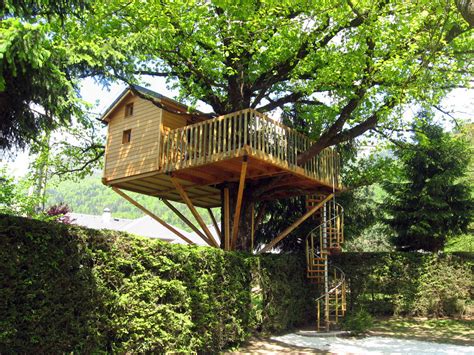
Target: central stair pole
(326, 270)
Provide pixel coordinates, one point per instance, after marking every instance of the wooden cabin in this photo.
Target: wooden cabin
(152, 138)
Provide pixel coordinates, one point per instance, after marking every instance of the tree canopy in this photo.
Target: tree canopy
(352, 65)
(37, 92)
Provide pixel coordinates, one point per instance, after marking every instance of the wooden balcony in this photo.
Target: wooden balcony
(210, 152)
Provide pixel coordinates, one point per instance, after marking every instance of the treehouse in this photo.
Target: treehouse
(156, 147)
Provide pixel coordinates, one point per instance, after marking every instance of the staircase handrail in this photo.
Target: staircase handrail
(326, 222)
(341, 281)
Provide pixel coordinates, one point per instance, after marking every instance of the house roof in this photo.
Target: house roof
(144, 226)
(147, 92)
(98, 222)
(148, 227)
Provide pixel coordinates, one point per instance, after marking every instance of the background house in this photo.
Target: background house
(144, 226)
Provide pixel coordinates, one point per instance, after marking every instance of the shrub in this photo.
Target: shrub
(358, 322)
(408, 283)
(444, 288)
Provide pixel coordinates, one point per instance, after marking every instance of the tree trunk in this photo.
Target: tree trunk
(243, 241)
(466, 8)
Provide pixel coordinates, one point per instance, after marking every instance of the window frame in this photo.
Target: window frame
(127, 136)
(129, 109)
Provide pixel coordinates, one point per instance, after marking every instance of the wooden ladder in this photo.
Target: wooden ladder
(321, 242)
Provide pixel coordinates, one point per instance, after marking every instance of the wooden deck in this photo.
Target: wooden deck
(208, 153)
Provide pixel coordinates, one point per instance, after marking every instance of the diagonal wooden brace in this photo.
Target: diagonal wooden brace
(214, 222)
(185, 220)
(152, 215)
(197, 216)
(291, 228)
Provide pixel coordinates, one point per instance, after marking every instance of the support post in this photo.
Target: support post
(238, 204)
(291, 228)
(214, 222)
(226, 219)
(193, 210)
(326, 267)
(151, 214)
(185, 220)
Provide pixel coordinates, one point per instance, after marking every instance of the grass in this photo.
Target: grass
(442, 330)
(460, 243)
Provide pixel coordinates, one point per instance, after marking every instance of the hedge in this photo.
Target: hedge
(70, 289)
(409, 283)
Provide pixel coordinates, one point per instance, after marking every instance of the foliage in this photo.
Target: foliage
(69, 289)
(408, 283)
(374, 238)
(460, 243)
(349, 65)
(358, 322)
(39, 91)
(280, 214)
(59, 213)
(14, 198)
(286, 296)
(430, 203)
(443, 289)
(261, 55)
(36, 94)
(361, 210)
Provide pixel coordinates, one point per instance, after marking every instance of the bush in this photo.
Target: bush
(67, 289)
(444, 288)
(358, 322)
(408, 283)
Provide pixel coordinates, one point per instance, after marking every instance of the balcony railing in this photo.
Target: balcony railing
(228, 136)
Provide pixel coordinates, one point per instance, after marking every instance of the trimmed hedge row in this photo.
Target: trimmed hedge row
(65, 288)
(70, 289)
(409, 283)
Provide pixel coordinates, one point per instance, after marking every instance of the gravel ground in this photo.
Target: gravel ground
(372, 345)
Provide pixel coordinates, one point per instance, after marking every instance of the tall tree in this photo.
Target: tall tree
(354, 62)
(351, 65)
(431, 202)
(37, 92)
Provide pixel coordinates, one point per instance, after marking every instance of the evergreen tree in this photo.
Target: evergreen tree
(430, 202)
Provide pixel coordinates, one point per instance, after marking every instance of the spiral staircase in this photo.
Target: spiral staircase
(323, 241)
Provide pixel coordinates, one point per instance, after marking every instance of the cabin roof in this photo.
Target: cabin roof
(152, 94)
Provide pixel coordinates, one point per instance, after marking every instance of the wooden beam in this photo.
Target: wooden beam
(152, 215)
(226, 219)
(193, 210)
(238, 204)
(185, 220)
(214, 222)
(291, 228)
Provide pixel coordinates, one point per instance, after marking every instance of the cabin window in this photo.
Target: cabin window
(127, 136)
(129, 110)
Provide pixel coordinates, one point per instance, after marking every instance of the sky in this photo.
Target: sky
(460, 102)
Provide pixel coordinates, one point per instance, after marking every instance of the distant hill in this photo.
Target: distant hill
(90, 196)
